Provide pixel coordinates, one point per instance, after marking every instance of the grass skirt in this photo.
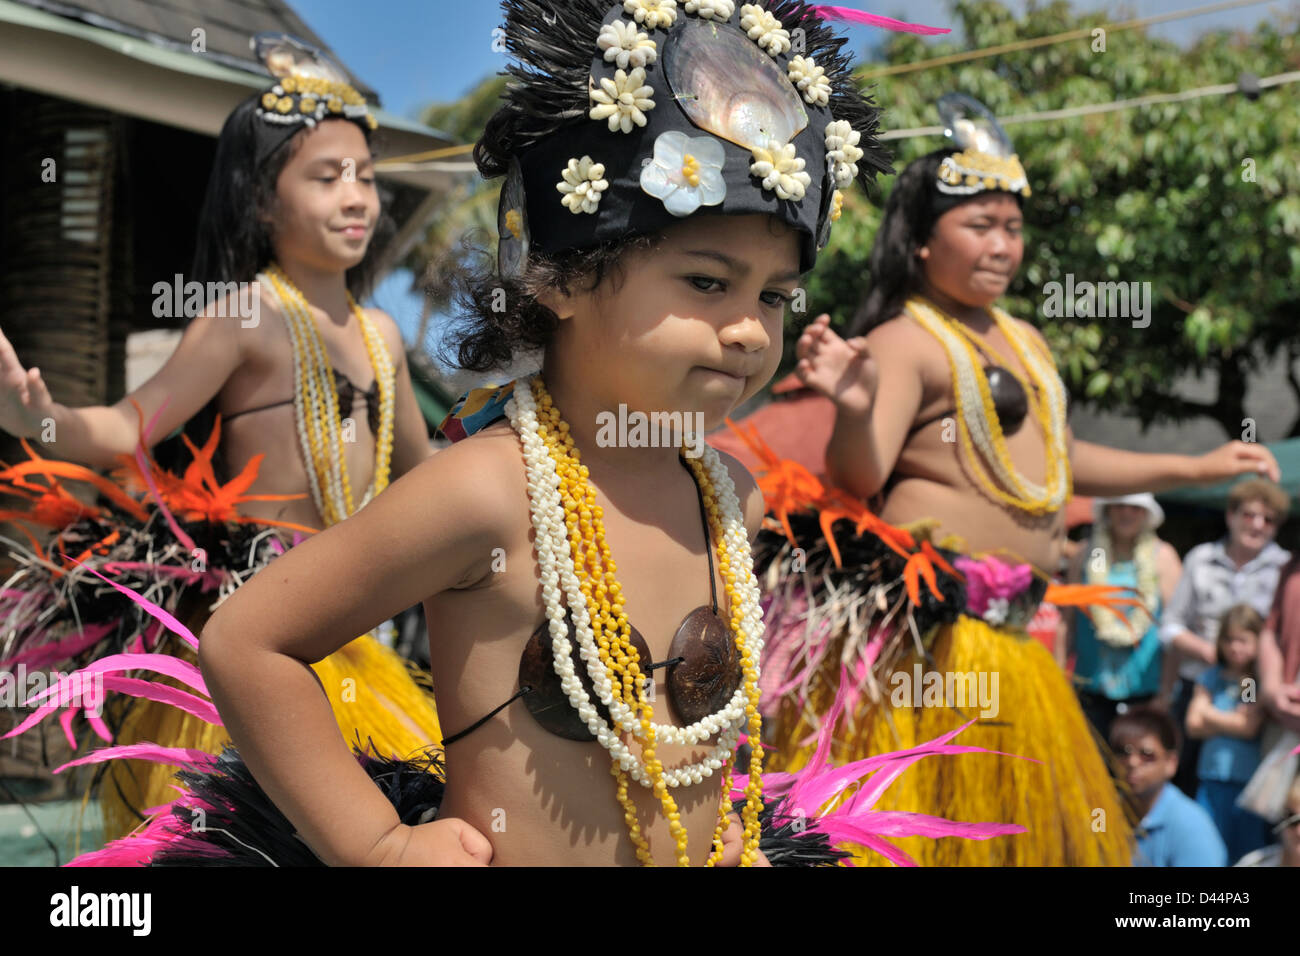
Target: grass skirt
(1066, 800)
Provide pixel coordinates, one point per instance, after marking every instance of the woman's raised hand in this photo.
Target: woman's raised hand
(843, 371)
(25, 402)
(1239, 458)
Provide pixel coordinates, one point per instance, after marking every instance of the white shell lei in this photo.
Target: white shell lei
(559, 580)
(781, 170)
(842, 151)
(810, 79)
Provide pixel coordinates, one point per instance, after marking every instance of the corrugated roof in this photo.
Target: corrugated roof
(170, 24)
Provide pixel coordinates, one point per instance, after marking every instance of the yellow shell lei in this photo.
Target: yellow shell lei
(316, 403)
(563, 496)
(977, 418)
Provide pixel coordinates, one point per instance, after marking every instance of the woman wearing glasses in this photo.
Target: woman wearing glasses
(1243, 567)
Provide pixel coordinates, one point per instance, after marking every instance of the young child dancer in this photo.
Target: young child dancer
(671, 172)
(1228, 720)
(290, 214)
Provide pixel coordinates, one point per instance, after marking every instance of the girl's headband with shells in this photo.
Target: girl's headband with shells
(985, 160)
(623, 118)
(309, 87)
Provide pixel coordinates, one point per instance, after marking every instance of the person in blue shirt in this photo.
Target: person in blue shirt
(1174, 831)
(1119, 657)
(1224, 714)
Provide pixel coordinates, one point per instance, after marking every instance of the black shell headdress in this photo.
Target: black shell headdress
(621, 118)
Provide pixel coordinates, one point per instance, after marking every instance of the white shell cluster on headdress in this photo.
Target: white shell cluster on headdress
(623, 101)
(764, 29)
(625, 45)
(652, 13)
(711, 9)
(583, 185)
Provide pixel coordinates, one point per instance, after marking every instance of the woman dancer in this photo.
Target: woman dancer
(937, 434)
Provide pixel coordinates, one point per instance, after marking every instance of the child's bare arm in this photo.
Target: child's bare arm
(432, 530)
(208, 354)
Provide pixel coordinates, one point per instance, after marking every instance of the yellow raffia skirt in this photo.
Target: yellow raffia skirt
(373, 692)
(1066, 800)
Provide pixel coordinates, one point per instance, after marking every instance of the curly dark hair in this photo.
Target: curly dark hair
(502, 317)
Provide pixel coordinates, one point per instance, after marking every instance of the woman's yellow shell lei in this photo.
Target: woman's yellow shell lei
(595, 572)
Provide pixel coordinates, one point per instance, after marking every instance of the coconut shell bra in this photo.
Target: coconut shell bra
(703, 668)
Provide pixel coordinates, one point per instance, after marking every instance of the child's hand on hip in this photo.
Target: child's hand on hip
(733, 843)
(448, 842)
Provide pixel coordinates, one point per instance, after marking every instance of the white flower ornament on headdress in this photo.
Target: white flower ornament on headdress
(711, 9)
(781, 170)
(686, 172)
(584, 183)
(623, 100)
(652, 13)
(842, 151)
(764, 29)
(810, 79)
(624, 45)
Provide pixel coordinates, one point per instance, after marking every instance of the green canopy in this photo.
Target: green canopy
(1287, 453)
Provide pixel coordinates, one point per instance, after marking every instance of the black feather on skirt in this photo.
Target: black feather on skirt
(232, 822)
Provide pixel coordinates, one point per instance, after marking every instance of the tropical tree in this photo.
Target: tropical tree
(1199, 199)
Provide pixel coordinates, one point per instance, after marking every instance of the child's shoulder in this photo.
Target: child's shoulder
(388, 328)
(479, 476)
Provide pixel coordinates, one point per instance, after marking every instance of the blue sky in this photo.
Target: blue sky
(417, 52)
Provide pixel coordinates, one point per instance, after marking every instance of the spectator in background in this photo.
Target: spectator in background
(1286, 852)
(1279, 690)
(1174, 831)
(1241, 568)
(1225, 714)
(1118, 662)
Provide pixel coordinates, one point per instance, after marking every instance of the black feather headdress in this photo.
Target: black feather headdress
(621, 118)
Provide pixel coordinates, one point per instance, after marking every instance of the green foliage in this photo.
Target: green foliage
(469, 208)
(1158, 194)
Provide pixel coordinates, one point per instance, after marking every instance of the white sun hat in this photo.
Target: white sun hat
(1155, 514)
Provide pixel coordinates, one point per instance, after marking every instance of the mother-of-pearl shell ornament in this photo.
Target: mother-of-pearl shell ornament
(702, 65)
(286, 55)
(512, 225)
(970, 125)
